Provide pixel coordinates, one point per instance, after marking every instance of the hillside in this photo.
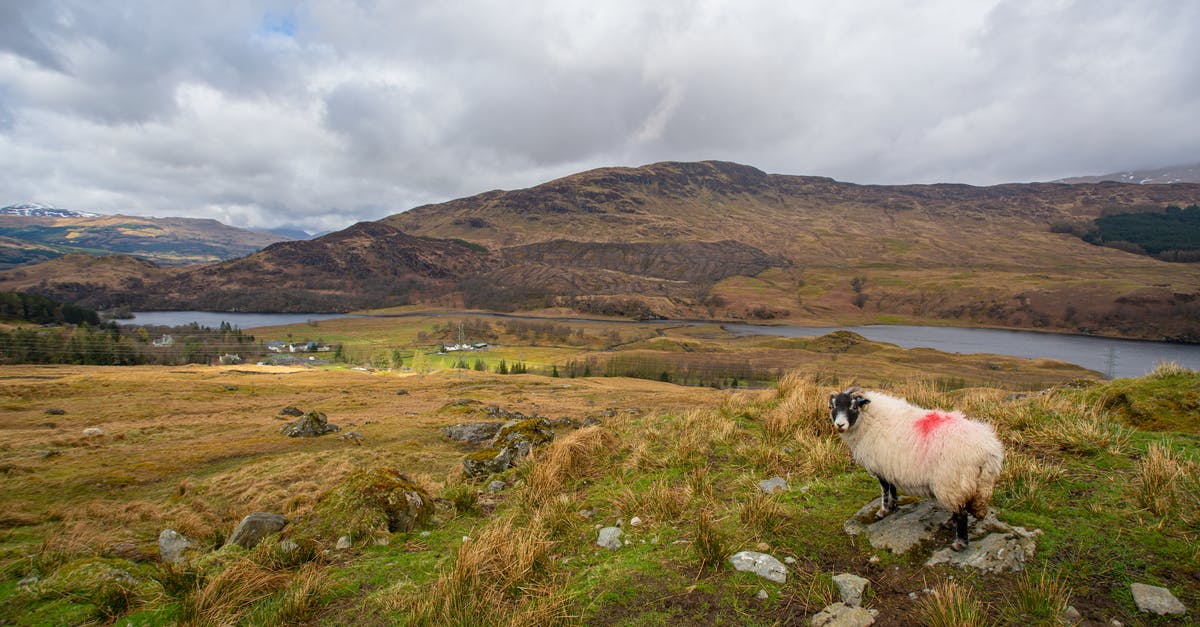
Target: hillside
(166, 241)
(727, 241)
(366, 264)
(104, 460)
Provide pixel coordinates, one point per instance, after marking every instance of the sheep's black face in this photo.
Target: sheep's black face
(845, 407)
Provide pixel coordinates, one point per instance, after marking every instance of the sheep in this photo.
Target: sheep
(927, 453)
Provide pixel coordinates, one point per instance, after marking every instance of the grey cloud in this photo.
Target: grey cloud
(355, 109)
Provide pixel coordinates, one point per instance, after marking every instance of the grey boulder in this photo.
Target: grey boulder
(254, 528)
(1156, 600)
(761, 564)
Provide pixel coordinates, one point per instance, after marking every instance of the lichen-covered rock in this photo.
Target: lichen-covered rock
(373, 502)
(86, 577)
(511, 444)
(292, 411)
(472, 432)
(842, 615)
(255, 527)
(310, 425)
(995, 546)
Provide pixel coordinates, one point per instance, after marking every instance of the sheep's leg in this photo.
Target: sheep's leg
(887, 501)
(960, 531)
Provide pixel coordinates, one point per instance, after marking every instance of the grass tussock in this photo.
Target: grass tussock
(661, 501)
(951, 604)
(228, 595)
(1166, 369)
(571, 457)
(295, 604)
(462, 497)
(1025, 480)
(712, 545)
(1085, 430)
(762, 515)
(1042, 598)
(492, 579)
(1167, 484)
(801, 411)
(696, 436)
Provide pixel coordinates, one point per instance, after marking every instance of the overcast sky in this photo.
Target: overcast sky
(319, 114)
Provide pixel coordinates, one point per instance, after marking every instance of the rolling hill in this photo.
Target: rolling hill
(722, 240)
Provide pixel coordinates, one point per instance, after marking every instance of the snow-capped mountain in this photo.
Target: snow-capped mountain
(35, 210)
(1173, 174)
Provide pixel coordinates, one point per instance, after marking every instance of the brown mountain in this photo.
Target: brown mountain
(367, 264)
(730, 241)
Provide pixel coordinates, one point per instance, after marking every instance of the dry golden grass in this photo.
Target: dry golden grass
(568, 458)
(661, 502)
(1165, 484)
(801, 410)
(1024, 479)
(1083, 430)
(225, 598)
(762, 514)
(494, 575)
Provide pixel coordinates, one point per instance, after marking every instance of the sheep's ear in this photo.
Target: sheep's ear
(832, 399)
(859, 401)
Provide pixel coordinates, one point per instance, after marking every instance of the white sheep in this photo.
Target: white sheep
(927, 453)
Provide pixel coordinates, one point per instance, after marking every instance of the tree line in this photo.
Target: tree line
(1170, 234)
(37, 309)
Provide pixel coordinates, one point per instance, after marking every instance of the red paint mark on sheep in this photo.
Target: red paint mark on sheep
(929, 423)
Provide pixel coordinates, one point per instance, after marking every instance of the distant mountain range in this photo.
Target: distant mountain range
(31, 233)
(35, 210)
(704, 240)
(1160, 176)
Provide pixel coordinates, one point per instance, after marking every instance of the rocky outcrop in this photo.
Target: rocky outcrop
(310, 425)
(512, 443)
(995, 546)
(373, 502)
(472, 432)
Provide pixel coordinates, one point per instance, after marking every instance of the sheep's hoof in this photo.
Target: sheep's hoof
(882, 513)
(958, 545)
